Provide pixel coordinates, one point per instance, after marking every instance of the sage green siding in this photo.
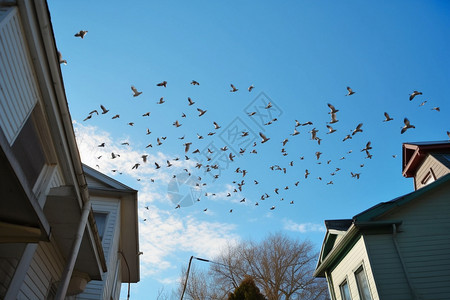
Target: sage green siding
(424, 242)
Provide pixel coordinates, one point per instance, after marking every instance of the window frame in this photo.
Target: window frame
(428, 178)
(362, 269)
(106, 213)
(341, 289)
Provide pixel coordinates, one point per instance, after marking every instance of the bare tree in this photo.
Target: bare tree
(280, 266)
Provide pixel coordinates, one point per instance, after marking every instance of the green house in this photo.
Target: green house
(399, 249)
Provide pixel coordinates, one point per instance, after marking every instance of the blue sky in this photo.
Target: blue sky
(300, 56)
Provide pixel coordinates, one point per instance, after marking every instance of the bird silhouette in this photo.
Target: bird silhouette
(357, 129)
(414, 94)
(407, 126)
(193, 82)
(104, 110)
(135, 91)
(164, 84)
(250, 88)
(233, 88)
(388, 118)
(333, 110)
(201, 112)
(60, 59)
(264, 138)
(331, 130)
(81, 33)
(350, 91)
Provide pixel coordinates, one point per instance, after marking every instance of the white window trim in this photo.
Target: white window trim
(364, 269)
(348, 285)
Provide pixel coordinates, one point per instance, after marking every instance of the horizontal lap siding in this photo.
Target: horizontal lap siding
(45, 268)
(18, 85)
(424, 242)
(347, 267)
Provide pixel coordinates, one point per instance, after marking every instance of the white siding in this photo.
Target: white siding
(45, 268)
(18, 85)
(96, 289)
(424, 241)
(430, 163)
(346, 268)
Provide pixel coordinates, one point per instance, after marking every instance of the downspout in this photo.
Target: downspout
(68, 269)
(408, 279)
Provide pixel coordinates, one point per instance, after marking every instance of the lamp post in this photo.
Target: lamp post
(189, 267)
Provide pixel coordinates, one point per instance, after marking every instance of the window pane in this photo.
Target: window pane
(363, 286)
(100, 219)
(345, 292)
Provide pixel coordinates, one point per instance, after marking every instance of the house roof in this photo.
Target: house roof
(414, 154)
(100, 184)
(332, 251)
(385, 207)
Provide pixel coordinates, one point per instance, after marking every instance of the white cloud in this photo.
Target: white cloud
(303, 227)
(165, 233)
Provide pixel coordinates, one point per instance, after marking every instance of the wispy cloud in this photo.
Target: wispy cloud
(302, 227)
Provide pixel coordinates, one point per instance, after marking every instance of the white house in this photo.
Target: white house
(64, 228)
(398, 249)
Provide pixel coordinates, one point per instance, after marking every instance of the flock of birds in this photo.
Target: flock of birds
(212, 167)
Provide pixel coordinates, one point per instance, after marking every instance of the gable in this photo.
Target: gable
(97, 180)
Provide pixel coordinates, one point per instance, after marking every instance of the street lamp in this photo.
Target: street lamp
(189, 267)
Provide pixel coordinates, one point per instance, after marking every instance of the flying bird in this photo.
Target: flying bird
(414, 94)
(135, 91)
(357, 129)
(350, 91)
(176, 124)
(250, 88)
(147, 114)
(388, 118)
(161, 101)
(407, 126)
(436, 109)
(216, 126)
(333, 119)
(201, 112)
(190, 101)
(314, 133)
(367, 148)
(61, 60)
(233, 88)
(306, 173)
(115, 117)
(318, 154)
(157, 165)
(269, 105)
(164, 84)
(331, 130)
(333, 110)
(193, 82)
(81, 33)
(186, 147)
(264, 138)
(347, 137)
(296, 132)
(104, 110)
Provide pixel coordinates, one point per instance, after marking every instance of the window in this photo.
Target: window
(363, 285)
(429, 178)
(345, 291)
(100, 220)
